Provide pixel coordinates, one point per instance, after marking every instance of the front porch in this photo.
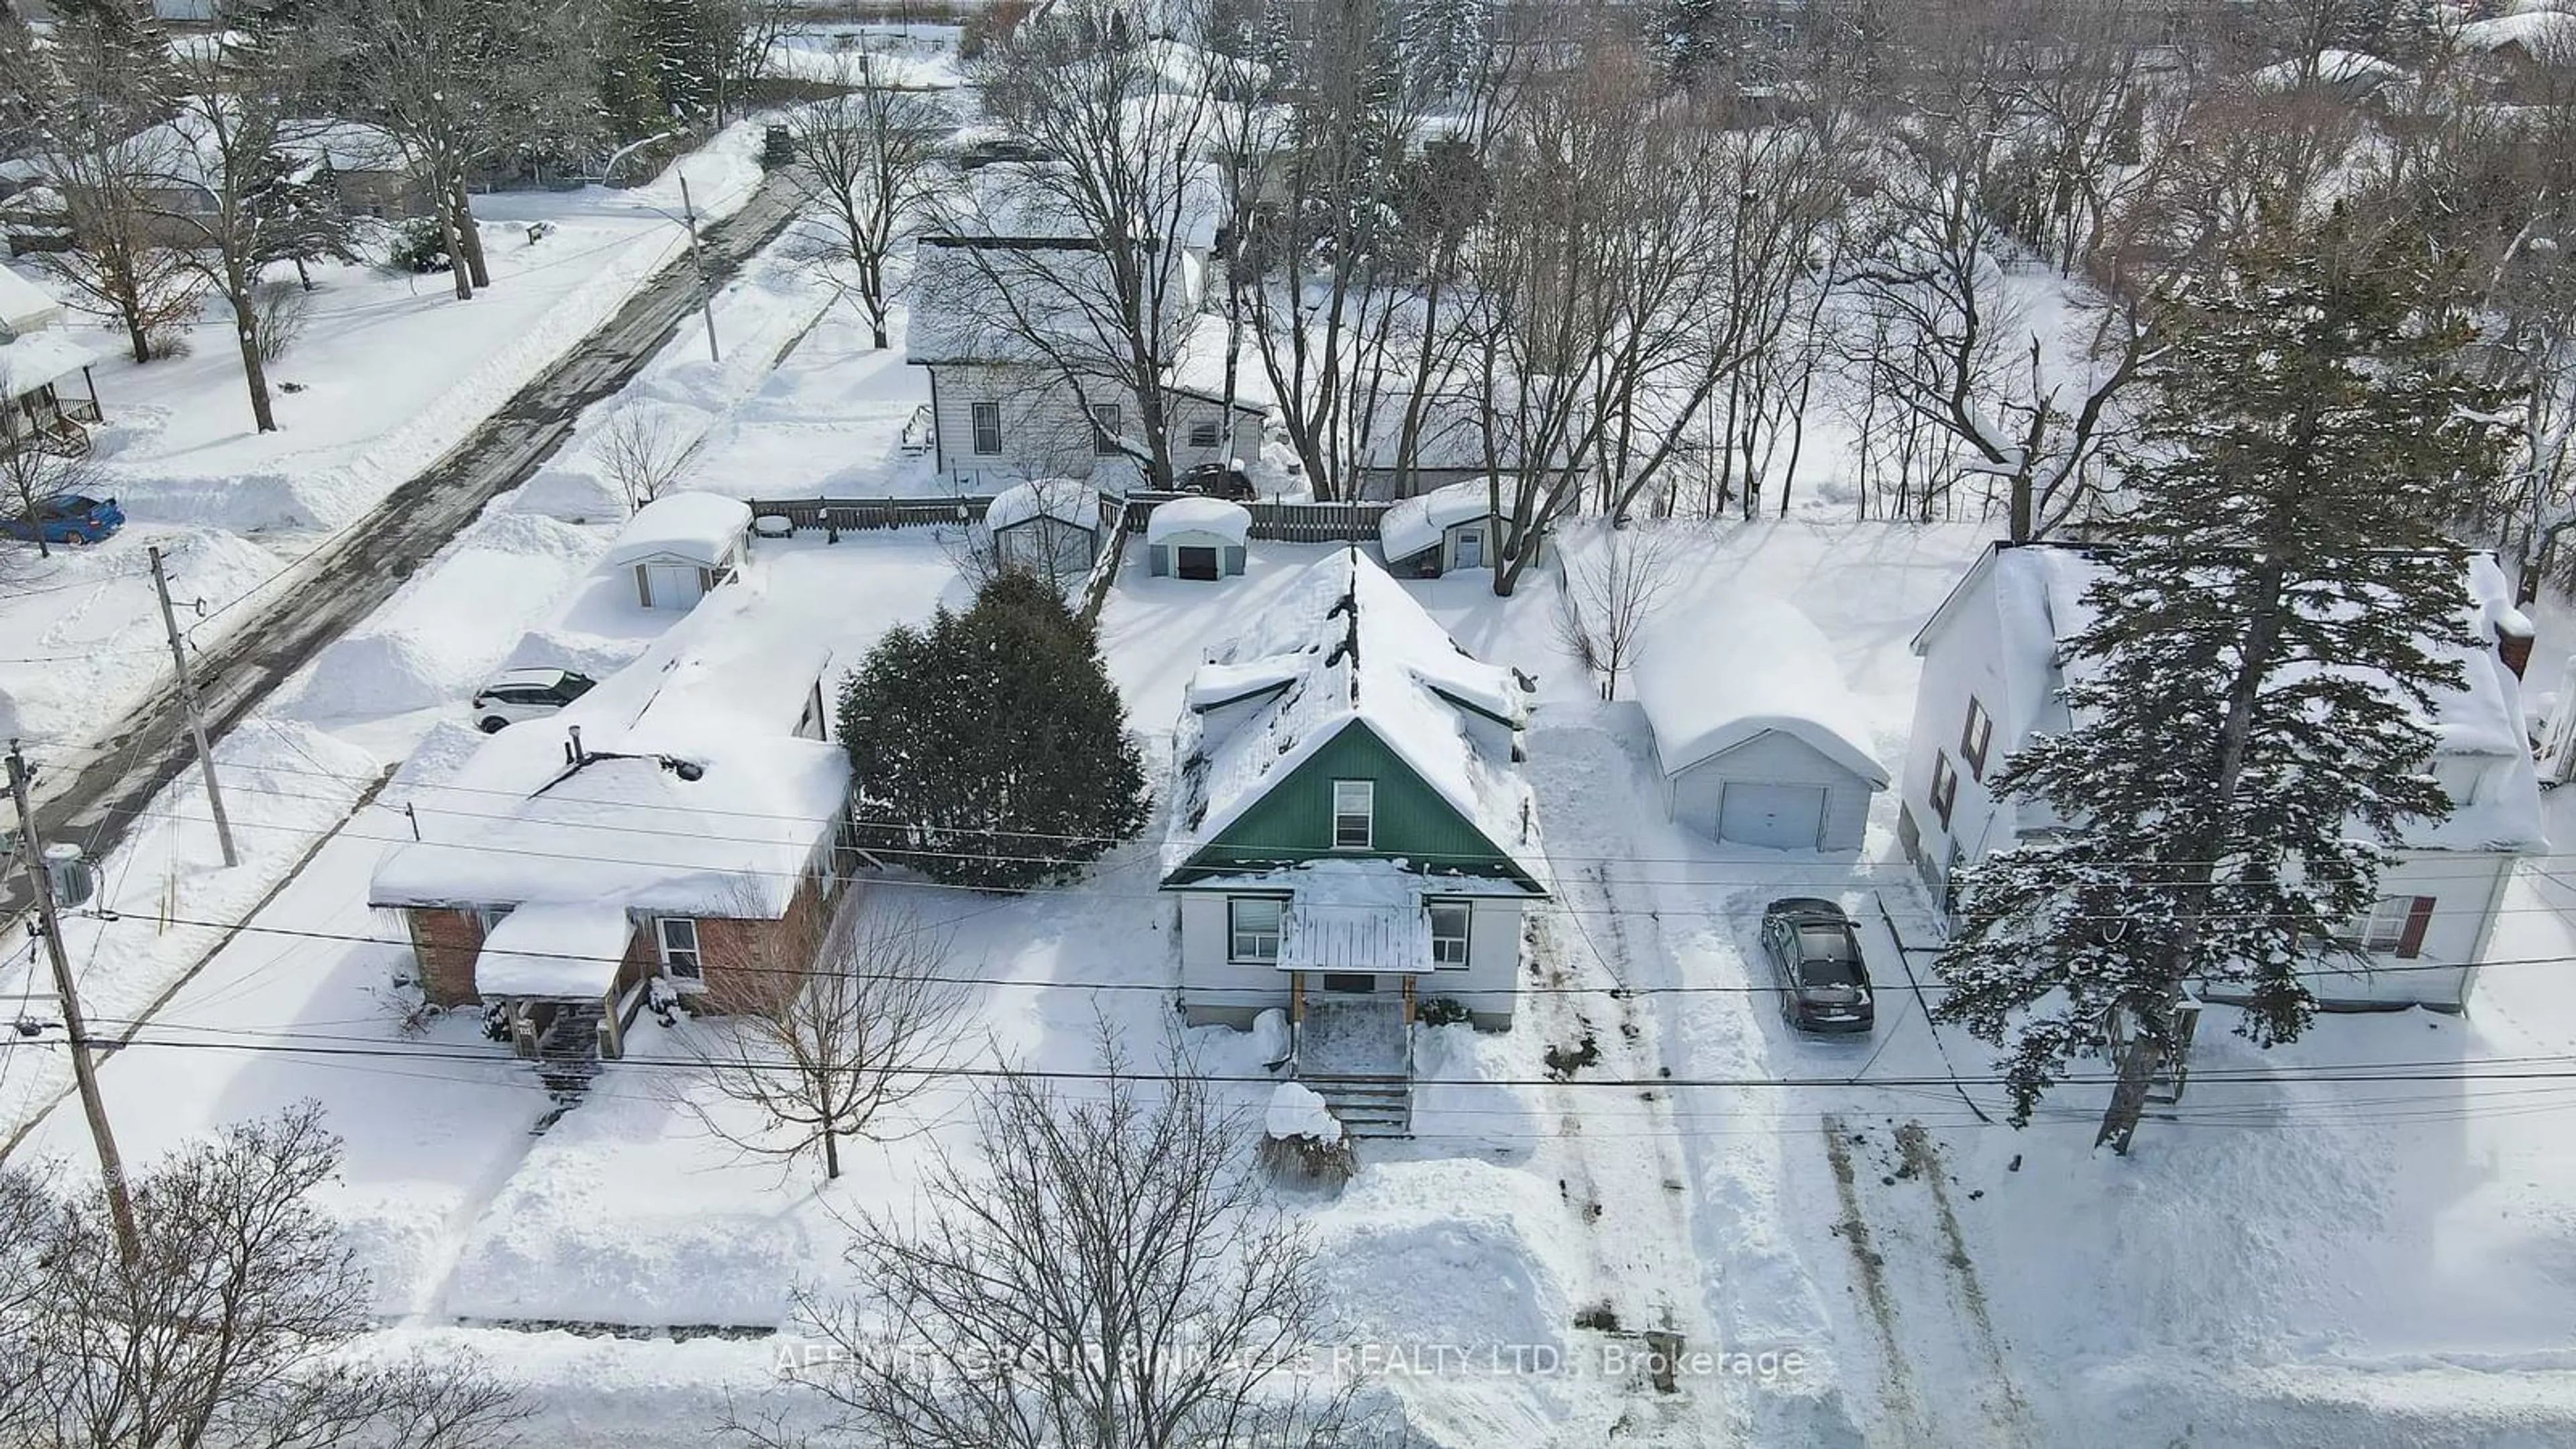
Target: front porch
(1355, 1049)
(36, 411)
(558, 977)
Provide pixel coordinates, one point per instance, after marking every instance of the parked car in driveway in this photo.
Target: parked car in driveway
(1815, 958)
(1217, 480)
(523, 694)
(67, 518)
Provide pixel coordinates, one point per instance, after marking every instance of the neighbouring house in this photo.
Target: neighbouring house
(1757, 739)
(683, 823)
(1196, 538)
(1442, 531)
(1994, 657)
(369, 173)
(1351, 834)
(680, 546)
(1027, 382)
(1048, 526)
(39, 360)
(1410, 447)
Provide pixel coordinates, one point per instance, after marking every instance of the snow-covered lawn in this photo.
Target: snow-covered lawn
(390, 373)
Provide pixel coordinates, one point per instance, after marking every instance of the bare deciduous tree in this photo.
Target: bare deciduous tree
(826, 1059)
(872, 165)
(641, 453)
(1610, 593)
(228, 1328)
(1106, 1271)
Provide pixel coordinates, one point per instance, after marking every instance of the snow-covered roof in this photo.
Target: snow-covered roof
(564, 951)
(1198, 367)
(1346, 645)
(2348, 69)
(1742, 666)
(347, 145)
(24, 305)
(2547, 33)
(1066, 500)
(1229, 521)
(697, 796)
(1021, 299)
(2032, 598)
(39, 358)
(1414, 525)
(702, 528)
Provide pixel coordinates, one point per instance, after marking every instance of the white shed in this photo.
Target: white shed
(680, 545)
(1440, 531)
(1049, 526)
(1757, 738)
(1196, 538)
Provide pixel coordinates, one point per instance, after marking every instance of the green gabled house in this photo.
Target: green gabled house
(1351, 833)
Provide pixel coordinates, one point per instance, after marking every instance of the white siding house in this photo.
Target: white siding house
(1757, 739)
(1992, 677)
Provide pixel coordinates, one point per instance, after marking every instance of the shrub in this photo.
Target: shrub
(1564, 1062)
(279, 312)
(419, 247)
(1308, 1161)
(1440, 1011)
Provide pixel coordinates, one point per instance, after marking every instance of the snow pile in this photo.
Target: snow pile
(1414, 525)
(702, 528)
(1229, 521)
(1066, 500)
(1297, 1111)
(1270, 1037)
(1447, 1252)
(569, 492)
(1728, 670)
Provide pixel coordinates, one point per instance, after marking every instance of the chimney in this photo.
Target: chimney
(581, 757)
(2513, 640)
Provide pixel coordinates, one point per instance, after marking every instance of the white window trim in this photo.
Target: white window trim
(2382, 929)
(975, 429)
(1466, 937)
(1234, 935)
(1368, 813)
(696, 951)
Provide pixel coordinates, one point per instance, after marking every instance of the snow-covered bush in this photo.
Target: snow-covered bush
(1302, 1142)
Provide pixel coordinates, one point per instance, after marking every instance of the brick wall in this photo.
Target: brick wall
(445, 942)
(752, 964)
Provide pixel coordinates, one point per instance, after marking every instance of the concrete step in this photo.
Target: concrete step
(1367, 1106)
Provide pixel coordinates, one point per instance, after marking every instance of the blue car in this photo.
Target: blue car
(67, 518)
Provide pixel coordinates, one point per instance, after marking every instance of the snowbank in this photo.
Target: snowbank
(1297, 1111)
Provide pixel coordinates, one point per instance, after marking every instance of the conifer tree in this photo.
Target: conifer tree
(990, 747)
(2251, 694)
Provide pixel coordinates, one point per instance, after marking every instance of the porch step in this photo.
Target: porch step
(568, 1053)
(1366, 1106)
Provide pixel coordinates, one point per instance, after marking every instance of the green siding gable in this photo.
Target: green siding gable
(1293, 820)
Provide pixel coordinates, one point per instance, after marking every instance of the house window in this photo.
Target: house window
(2395, 926)
(1976, 737)
(679, 938)
(1104, 430)
(1204, 434)
(1354, 814)
(987, 418)
(489, 916)
(1253, 922)
(1449, 933)
(1945, 788)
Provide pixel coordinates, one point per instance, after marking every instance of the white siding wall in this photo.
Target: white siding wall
(1772, 759)
(1045, 433)
(2465, 887)
(1489, 983)
(1215, 991)
(1962, 662)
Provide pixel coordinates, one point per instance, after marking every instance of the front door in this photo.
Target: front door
(1471, 549)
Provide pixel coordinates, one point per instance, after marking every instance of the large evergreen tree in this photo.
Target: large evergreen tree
(990, 747)
(2250, 697)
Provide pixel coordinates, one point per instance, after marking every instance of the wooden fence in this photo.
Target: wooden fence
(1283, 522)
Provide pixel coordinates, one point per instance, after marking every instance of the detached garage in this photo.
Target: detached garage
(1196, 538)
(679, 546)
(1758, 740)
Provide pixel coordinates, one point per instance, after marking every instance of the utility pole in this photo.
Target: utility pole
(697, 263)
(196, 718)
(111, 1166)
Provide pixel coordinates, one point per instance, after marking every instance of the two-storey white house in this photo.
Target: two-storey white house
(1994, 658)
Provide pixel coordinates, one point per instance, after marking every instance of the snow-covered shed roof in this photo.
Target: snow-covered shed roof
(1066, 500)
(700, 527)
(696, 797)
(1414, 525)
(1344, 644)
(25, 306)
(2030, 599)
(1740, 667)
(565, 951)
(1229, 521)
(39, 358)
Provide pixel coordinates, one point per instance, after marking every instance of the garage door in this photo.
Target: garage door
(1779, 817)
(1198, 563)
(673, 586)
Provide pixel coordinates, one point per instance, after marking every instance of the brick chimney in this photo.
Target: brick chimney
(2513, 641)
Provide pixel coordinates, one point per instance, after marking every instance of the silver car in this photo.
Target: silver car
(521, 694)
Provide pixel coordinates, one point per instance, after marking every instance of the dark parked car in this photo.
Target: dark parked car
(981, 154)
(1815, 957)
(67, 518)
(1217, 480)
